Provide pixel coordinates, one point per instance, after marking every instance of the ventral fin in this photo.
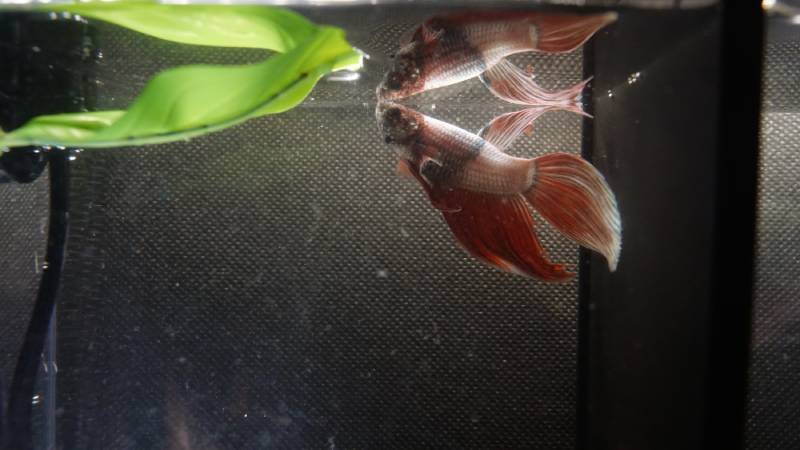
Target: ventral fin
(436, 195)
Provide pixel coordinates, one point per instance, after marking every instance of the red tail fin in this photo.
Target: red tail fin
(574, 197)
(558, 33)
(500, 231)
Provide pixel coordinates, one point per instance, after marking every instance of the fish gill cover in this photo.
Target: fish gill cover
(189, 101)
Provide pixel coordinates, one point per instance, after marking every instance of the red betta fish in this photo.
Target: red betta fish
(483, 193)
(452, 48)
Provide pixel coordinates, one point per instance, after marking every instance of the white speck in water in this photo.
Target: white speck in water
(433, 106)
(182, 360)
(52, 16)
(382, 273)
(35, 399)
(634, 77)
(610, 94)
(245, 415)
(72, 157)
(36, 49)
(66, 15)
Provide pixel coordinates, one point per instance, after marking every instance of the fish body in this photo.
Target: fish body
(449, 49)
(452, 157)
(484, 193)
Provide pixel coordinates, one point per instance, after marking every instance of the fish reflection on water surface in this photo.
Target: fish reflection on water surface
(451, 48)
(484, 194)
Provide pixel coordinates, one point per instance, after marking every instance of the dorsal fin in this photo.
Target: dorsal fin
(514, 85)
(505, 129)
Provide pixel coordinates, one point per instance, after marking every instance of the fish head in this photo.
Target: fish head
(404, 78)
(399, 125)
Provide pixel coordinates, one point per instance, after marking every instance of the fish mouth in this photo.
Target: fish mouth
(381, 107)
(380, 110)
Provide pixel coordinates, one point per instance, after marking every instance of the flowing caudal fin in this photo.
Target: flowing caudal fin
(512, 84)
(559, 33)
(498, 230)
(575, 198)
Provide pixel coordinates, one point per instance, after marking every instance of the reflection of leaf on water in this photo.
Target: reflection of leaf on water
(228, 26)
(193, 100)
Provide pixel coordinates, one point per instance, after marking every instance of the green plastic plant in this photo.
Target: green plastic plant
(189, 101)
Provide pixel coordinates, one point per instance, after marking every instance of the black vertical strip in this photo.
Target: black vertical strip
(584, 291)
(655, 139)
(734, 244)
(20, 407)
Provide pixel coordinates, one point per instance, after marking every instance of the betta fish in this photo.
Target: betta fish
(483, 193)
(449, 49)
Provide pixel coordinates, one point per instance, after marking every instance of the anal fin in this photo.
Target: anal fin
(499, 230)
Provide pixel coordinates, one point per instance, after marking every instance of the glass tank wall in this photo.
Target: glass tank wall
(277, 284)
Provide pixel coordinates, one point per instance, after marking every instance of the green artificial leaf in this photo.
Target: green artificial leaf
(246, 26)
(193, 100)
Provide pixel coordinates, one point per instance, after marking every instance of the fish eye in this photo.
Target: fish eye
(392, 55)
(388, 139)
(394, 81)
(393, 113)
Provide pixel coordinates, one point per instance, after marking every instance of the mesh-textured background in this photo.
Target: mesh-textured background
(773, 414)
(277, 285)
